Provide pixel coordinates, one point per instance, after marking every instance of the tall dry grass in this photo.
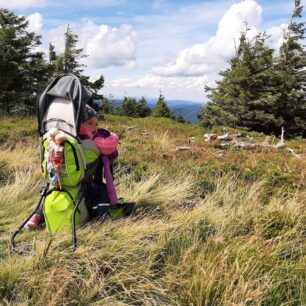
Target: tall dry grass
(23, 185)
(23, 178)
(155, 191)
(230, 249)
(162, 141)
(20, 155)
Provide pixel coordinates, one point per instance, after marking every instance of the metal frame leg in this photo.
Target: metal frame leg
(74, 237)
(13, 247)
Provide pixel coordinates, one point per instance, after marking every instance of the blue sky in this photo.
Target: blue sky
(142, 47)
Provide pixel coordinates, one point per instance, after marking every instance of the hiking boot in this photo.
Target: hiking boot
(33, 223)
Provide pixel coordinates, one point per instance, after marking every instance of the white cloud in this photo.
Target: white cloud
(35, 22)
(104, 45)
(276, 36)
(153, 81)
(56, 37)
(19, 4)
(212, 55)
(107, 46)
(184, 88)
(170, 31)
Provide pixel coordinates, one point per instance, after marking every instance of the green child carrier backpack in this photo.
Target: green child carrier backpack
(66, 162)
(60, 108)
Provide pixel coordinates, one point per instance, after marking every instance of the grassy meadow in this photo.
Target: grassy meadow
(212, 226)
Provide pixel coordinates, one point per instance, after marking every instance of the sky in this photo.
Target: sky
(146, 47)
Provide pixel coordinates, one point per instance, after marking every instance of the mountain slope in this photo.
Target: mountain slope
(188, 109)
(212, 227)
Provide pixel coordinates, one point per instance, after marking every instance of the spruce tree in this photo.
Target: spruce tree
(291, 73)
(247, 95)
(52, 54)
(69, 62)
(143, 109)
(180, 119)
(94, 86)
(72, 54)
(260, 92)
(23, 70)
(161, 108)
(106, 106)
(128, 107)
(132, 108)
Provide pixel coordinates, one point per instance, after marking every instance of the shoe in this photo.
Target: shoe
(33, 223)
(129, 208)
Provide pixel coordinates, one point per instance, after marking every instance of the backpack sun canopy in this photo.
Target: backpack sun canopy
(61, 105)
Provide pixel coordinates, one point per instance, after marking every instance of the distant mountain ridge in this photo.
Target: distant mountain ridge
(188, 109)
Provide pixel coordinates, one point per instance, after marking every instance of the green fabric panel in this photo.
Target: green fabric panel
(44, 162)
(73, 176)
(58, 210)
(90, 156)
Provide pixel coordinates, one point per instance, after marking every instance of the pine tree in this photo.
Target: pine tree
(23, 70)
(161, 108)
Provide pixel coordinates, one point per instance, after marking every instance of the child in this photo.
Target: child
(89, 121)
(98, 192)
